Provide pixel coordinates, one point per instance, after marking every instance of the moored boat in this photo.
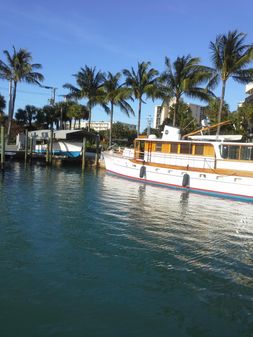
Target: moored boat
(220, 166)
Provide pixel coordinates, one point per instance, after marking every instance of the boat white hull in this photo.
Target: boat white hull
(62, 148)
(208, 183)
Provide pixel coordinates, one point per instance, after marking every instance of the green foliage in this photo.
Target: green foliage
(184, 118)
(2, 107)
(121, 135)
(156, 132)
(184, 77)
(116, 95)
(26, 115)
(18, 68)
(243, 119)
(89, 86)
(212, 111)
(230, 57)
(142, 82)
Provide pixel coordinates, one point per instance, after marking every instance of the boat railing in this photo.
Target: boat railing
(179, 160)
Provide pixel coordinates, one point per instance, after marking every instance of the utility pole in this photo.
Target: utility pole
(52, 99)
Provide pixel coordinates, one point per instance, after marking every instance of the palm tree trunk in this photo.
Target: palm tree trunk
(12, 111)
(175, 111)
(111, 120)
(139, 118)
(89, 109)
(9, 108)
(221, 106)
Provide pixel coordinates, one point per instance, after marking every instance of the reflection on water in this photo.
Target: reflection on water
(93, 254)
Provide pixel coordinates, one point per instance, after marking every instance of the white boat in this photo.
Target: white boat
(217, 166)
(66, 143)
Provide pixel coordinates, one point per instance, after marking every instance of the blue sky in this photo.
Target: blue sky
(112, 35)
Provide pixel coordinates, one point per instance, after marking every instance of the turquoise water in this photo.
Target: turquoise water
(96, 255)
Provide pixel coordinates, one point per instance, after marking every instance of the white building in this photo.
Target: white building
(163, 112)
(249, 92)
(103, 126)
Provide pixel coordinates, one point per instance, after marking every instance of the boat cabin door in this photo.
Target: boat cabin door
(139, 149)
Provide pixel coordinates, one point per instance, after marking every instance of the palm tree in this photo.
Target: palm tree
(230, 57)
(18, 69)
(116, 95)
(27, 115)
(2, 107)
(142, 82)
(90, 85)
(184, 77)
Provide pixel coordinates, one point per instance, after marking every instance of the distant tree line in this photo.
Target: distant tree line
(185, 76)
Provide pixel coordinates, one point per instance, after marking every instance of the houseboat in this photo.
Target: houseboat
(207, 164)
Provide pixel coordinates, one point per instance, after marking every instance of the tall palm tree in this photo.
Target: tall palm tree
(18, 68)
(90, 83)
(230, 57)
(184, 77)
(142, 82)
(116, 95)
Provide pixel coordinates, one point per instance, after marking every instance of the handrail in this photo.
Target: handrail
(206, 129)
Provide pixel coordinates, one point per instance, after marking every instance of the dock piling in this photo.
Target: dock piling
(31, 149)
(26, 146)
(2, 147)
(83, 153)
(97, 150)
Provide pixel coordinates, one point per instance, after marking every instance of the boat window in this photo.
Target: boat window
(230, 151)
(173, 148)
(199, 150)
(158, 147)
(186, 148)
(246, 153)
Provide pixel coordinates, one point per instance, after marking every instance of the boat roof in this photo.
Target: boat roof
(200, 140)
(217, 138)
(60, 134)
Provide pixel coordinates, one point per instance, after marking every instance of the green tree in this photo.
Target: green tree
(184, 77)
(142, 82)
(122, 132)
(2, 107)
(116, 95)
(243, 119)
(230, 57)
(46, 117)
(212, 110)
(77, 112)
(18, 68)
(26, 115)
(184, 119)
(89, 86)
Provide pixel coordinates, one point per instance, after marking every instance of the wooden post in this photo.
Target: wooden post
(47, 151)
(51, 147)
(26, 145)
(83, 153)
(31, 149)
(97, 150)
(2, 147)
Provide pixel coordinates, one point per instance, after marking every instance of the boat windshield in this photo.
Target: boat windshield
(236, 152)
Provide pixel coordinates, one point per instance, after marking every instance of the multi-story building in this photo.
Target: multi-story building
(103, 126)
(163, 112)
(249, 92)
